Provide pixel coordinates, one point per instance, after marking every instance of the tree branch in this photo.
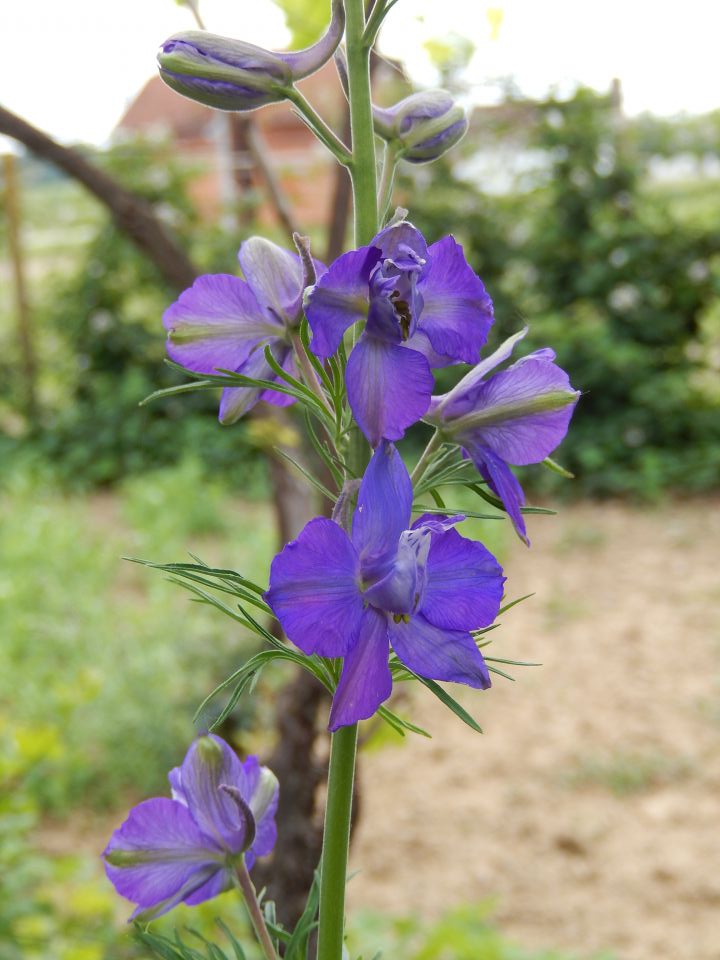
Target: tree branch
(132, 214)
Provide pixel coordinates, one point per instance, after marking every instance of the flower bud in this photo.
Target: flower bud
(222, 73)
(423, 126)
(234, 75)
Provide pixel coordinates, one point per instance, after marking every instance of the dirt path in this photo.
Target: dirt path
(590, 810)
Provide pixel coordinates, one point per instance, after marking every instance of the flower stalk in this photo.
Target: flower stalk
(341, 774)
(247, 889)
(336, 842)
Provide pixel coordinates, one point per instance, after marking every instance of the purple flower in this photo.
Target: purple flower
(235, 75)
(184, 850)
(224, 323)
(423, 126)
(422, 306)
(517, 416)
(421, 588)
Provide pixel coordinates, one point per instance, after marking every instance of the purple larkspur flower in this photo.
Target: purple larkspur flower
(423, 126)
(422, 307)
(184, 849)
(224, 323)
(419, 588)
(234, 75)
(516, 416)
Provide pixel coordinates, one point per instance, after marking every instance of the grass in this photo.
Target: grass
(104, 661)
(624, 774)
(465, 933)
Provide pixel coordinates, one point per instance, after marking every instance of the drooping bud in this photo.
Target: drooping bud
(423, 126)
(234, 75)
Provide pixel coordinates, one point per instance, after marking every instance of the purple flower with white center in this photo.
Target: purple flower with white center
(225, 323)
(420, 588)
(185, 849)
(235, 75)
(517, 416)
(422, 307)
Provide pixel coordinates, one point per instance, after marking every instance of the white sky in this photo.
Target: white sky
(70, 66)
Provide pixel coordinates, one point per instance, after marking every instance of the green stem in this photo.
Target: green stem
(253, 907)
(336, 842)
(362, 165)
(380, 11)
(424, 460)
(316, 123)
(336, 837)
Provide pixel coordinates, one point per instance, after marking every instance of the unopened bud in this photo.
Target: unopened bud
(423, 126)
(235, 75)
(223, 73)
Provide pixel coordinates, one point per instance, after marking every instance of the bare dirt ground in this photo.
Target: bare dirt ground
(589, 812)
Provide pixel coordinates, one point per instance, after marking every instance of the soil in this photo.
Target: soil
(589, 812)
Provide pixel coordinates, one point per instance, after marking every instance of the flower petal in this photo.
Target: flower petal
(215, 324)
(339, 299)
(402, 588)
(314, 591)
(383, 511)
(159, 856)
(458, 311)
(208, 764)
(389, 388)
(438, 654)
(366, 680)
(217, 883)
(464, 583)
(264, 792)
(528, 437)
(502, 482)
(402, 243)
(456, 402)
(421, 342)
(274, 275)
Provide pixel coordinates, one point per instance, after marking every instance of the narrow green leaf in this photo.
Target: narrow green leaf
(174, 391)
(238, 950)
(420, 508)
(452, 704)
(297, 948)
(500, 673)
(481, 492)
(322, 450)
(437, 498)
(389, 716)
(308, 476)
(514, 663)
(558, 468)
(513, 603)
